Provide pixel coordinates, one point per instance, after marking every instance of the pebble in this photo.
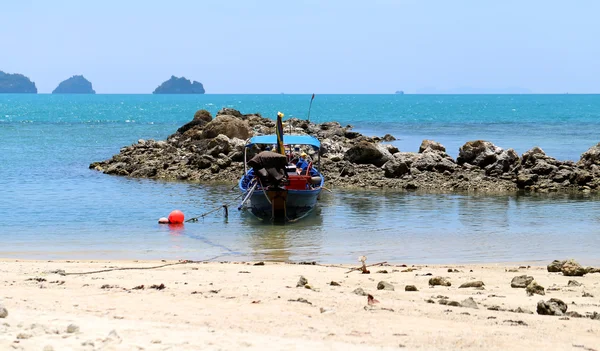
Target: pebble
(382, 285)
(473, 284)
(155, 341)
(573, 283)
(521, 281)
(48, 348)
(3, 312)
(23, 336)
(301, 282)
(72, 328)
(469, 303)
(359, 292)
(410, 288)
(535, 288)
(439, 281)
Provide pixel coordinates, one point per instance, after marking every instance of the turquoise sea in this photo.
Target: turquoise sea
(52, 206)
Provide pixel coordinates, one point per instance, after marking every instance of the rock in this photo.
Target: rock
(16, 84)
(449, 303)
(573, 314)
(590, 157)
(573, 269)
(488, 156)
(433, 145)
(367, 153)
(385, 286)
(433, 161)
(593, 270)
(395, 168)
(23, 336)
(301, 282)
(388, 137)
(334, 283)
(230, 112)
(410, 288)
(74, 85)
(552, 307)
(522, 310)
(439, 281)
(526, 179)
(573, 283)
(534, 288)
(359, 292)
(469, 303)
(227, 125)
(203, 115)
(473, 284)
(180, 85)
(477, 153)
(3, 312)
(72, 328)
(556, 266)
(521, 281)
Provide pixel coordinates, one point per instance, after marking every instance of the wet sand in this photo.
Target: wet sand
(242, 306)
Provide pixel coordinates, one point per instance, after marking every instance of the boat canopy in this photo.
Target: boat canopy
(271, 139)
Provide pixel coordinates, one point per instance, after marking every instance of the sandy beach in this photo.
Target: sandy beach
(243, 306)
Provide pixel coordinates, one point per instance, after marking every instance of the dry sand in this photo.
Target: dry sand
(240, 306)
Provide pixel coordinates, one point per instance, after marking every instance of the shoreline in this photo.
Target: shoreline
(252, 307)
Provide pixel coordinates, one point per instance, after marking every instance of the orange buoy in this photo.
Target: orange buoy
(163, 220)
(176, 217)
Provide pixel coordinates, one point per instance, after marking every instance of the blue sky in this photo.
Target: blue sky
(374, 46)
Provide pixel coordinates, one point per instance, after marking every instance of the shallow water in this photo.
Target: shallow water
(53, 206)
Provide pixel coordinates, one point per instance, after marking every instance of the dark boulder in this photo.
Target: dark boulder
(395, 168)
(521, 281)
(556, 266)
(552, 307)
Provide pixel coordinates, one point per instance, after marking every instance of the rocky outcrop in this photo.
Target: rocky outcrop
(179, 85)
(205, 146)
(16, 84)
(74, 85)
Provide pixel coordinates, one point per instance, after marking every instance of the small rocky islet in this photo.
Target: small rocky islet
(208, 148)
(75, 85)
(179, 85)
(16, 83)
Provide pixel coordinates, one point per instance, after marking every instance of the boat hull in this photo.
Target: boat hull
(283, 205)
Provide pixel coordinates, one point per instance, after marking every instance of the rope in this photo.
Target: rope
(225, 205)
(135, 268)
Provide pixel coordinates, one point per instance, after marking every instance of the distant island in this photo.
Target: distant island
(399, 92)
(179, 86)
(16, 84)
(74, 85)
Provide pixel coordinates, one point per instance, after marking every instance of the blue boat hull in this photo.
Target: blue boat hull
(298, 204)
(280, 204)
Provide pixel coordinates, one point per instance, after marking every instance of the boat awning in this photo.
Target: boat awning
(287, 140)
